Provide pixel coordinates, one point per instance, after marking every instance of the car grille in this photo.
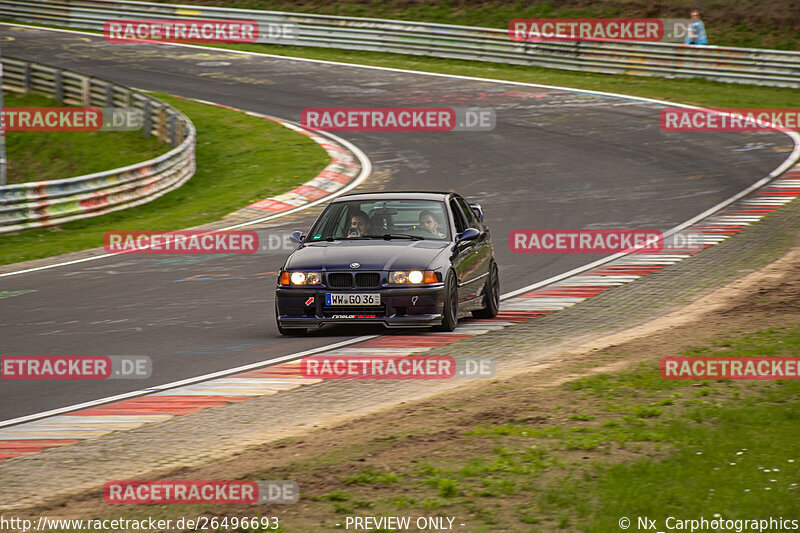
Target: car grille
(340, 280)
(363, 280)
(368, 280)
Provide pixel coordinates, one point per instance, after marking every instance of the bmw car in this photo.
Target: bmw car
(401, 259)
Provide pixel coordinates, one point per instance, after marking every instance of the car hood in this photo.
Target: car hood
(370, 254)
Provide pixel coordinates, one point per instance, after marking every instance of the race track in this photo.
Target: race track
(557, 159)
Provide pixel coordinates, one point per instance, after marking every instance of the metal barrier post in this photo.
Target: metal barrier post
(173, 130)
(86, 91)
(147, 119)
(59, 87)
(162, 124)
(26, 78)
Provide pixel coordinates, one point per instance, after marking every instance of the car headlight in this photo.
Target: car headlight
(412, 277)
(301, 278)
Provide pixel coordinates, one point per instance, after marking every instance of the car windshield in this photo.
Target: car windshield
(379, 219)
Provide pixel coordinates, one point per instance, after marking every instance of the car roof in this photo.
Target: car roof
(395, 195)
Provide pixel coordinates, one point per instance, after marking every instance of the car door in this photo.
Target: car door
(465, 261)
(481, 247)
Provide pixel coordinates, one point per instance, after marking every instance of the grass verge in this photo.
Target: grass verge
(50, 155)
(240, 160)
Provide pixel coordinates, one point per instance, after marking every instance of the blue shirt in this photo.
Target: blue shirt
(699, 31)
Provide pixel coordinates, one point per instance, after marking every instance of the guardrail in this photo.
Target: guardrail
(45, 203)
(737, 65)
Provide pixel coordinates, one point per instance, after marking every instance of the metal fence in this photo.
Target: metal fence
(45, 203)
(737, 65)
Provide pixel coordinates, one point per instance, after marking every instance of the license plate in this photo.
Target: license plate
(346, 298)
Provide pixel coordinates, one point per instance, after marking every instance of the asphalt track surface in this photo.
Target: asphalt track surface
(557, 159)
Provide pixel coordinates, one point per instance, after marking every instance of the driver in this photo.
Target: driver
(359, 221)
(429, 224)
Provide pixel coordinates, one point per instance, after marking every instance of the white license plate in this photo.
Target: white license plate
(346, 298)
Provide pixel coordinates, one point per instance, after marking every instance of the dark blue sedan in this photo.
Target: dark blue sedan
(401, 259)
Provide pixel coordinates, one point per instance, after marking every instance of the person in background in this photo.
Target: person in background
(696, 32)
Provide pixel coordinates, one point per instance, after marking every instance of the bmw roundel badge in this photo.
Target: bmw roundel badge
(355, 265)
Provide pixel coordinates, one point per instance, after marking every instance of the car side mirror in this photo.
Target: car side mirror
(297, 236)
(476, 208)
(468, 235)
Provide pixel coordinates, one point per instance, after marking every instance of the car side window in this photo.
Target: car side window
(458, 217)
(472, 220)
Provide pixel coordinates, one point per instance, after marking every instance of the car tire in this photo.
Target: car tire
(450, 305)
(491, 295)
(287, 332)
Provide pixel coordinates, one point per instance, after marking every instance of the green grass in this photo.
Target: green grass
(369, 476)
(240, 160)
(718, 466)
(50, 155)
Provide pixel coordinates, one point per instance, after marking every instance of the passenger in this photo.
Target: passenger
(429, 224)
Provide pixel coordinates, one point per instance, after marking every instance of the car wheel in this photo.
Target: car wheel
(450, 306)
(287, 332)
(491, 296)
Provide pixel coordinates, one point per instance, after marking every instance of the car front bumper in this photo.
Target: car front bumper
(302, 307)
